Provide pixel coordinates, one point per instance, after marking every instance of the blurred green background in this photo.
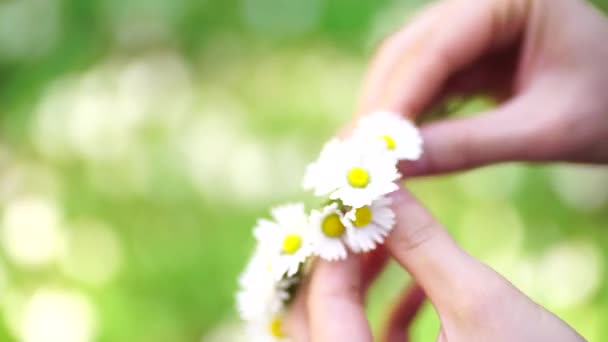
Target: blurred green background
(140, 140)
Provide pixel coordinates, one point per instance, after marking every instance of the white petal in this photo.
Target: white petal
(289, 214)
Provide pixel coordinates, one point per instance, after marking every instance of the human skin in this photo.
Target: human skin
(546, 63)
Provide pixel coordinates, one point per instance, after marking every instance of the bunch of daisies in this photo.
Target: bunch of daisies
(353, 176)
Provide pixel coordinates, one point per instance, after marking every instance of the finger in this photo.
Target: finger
(296, 321)
(464, 292)
(442, 337)
(461, 33)
(420, 244)
(397, 48)
(403, 313)
(503, 134)
(335, 303)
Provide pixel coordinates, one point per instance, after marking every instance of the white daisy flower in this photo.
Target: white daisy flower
(260, 295)
(353, 171)
(358, 172)
(287, 239)
(261, 298)
(361, 174)
(269, 329)
(396, 134)
(369, 225)
(316, 171)
(329, 231)
(258, 268)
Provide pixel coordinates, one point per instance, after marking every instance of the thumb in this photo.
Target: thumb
(450, 277)
(474, 302)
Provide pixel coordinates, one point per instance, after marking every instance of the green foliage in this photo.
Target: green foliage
(229, 100)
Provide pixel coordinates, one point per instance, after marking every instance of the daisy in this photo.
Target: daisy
(369, 225)
(286, 239)
(315, 172)
(261, 299)
(269, 329)
(329, 231)
(260, 295)
(360, 173)
(398, 136)
(258, 268)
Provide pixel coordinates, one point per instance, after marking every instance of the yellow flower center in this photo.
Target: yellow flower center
(292, 243)
(389, 141)
(358, 177)
(332, 226)
(276, 328)
(363, 216)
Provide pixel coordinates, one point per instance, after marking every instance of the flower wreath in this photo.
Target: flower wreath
(355, 175)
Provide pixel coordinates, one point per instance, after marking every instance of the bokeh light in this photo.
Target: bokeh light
(570, 273)
(31, 231)
(53, 315)
(4, 281)
(282, 17)
(19, 39)
(582, 187)
(93, 253)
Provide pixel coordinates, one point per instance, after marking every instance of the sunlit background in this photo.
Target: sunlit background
(139, 141)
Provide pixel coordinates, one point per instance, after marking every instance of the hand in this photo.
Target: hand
(543, 60)
(473, 302)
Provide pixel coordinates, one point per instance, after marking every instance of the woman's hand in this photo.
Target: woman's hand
(474, 303)
(544, 60)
